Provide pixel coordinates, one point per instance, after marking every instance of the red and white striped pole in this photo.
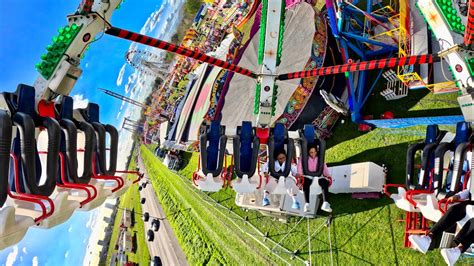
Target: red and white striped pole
(136, 37)
(469, 33)
(361, 66)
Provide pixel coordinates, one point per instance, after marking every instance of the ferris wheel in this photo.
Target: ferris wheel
(147, 62)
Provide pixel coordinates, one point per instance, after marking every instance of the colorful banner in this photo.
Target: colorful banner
(303, 92)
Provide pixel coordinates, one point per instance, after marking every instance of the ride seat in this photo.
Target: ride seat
(12, 227)
(433, 137)
(24, 145)
(430, 210)
(99, 164)
(279, 140)
(78, 187)
(246, 148)
(308, 137)
(27, 172)
(212, 151)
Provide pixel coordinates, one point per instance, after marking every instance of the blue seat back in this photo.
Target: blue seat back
(432, 133)
(93, 112)
(279, 136)
(66, 111)
(246, 139)
(309, 133)
(26, 100)
(25, 103)
(213, 136)
(463, 131)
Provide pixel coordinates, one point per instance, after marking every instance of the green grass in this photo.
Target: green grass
(206, 235)
(417, 103)
(131, 200)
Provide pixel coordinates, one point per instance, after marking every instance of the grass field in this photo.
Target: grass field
(203, 233)
(362, 231)
(131, 200)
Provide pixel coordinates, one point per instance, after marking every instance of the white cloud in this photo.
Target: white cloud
(90, 222)
(69, 229)
(66, 254)
(24, 250)
(35, 261)
(118, 115)
(132, 78)
(80, 101)
(123, 105)
(127, 88)
(152, 21)
(87, 65)
(155, 18)
(12, 256)
(120, 75)
(144, 29)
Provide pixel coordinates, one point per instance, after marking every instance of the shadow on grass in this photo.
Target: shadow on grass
(434, 112)
(394, 157)
(186, 157)
(338, 248)
(433, 105)
(360, 228)
(392, 236)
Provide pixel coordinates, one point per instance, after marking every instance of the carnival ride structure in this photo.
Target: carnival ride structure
(59, 70)
(53, 157)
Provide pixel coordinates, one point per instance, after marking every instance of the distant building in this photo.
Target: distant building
(127, 243)
(126, 218)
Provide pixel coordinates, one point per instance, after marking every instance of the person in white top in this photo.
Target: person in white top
(290, 185)
(463, 239)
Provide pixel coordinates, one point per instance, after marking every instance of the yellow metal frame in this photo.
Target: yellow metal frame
(404, 49)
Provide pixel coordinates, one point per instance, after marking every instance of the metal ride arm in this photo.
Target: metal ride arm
(272, 15)
(59, 67)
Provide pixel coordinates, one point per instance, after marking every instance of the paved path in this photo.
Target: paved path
(165, 245)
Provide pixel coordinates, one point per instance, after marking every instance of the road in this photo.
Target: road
(165, 245)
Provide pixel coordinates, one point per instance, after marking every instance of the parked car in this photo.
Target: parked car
(156, 261)
(142, 201)
(146, 216)
(139, 188)
(144, 184)
(155, 224)
(150, 235)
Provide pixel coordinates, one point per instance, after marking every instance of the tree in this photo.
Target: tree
(192, 6)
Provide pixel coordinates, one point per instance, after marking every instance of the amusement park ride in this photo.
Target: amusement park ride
(39, 126)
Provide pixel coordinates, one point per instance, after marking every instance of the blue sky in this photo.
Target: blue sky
(26, 28)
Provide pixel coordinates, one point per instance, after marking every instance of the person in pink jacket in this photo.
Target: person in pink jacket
(308, 180)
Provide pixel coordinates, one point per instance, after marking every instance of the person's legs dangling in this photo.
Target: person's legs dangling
(306, 190)
(324, 184)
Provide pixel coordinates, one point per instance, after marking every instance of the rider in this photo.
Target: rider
(280, 164)
(308, 180)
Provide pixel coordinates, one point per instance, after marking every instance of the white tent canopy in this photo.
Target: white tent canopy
(297, 43)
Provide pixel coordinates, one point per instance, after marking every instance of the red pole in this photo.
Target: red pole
(136, 37)
(361, 66)
(86, 6)
(469, 33)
